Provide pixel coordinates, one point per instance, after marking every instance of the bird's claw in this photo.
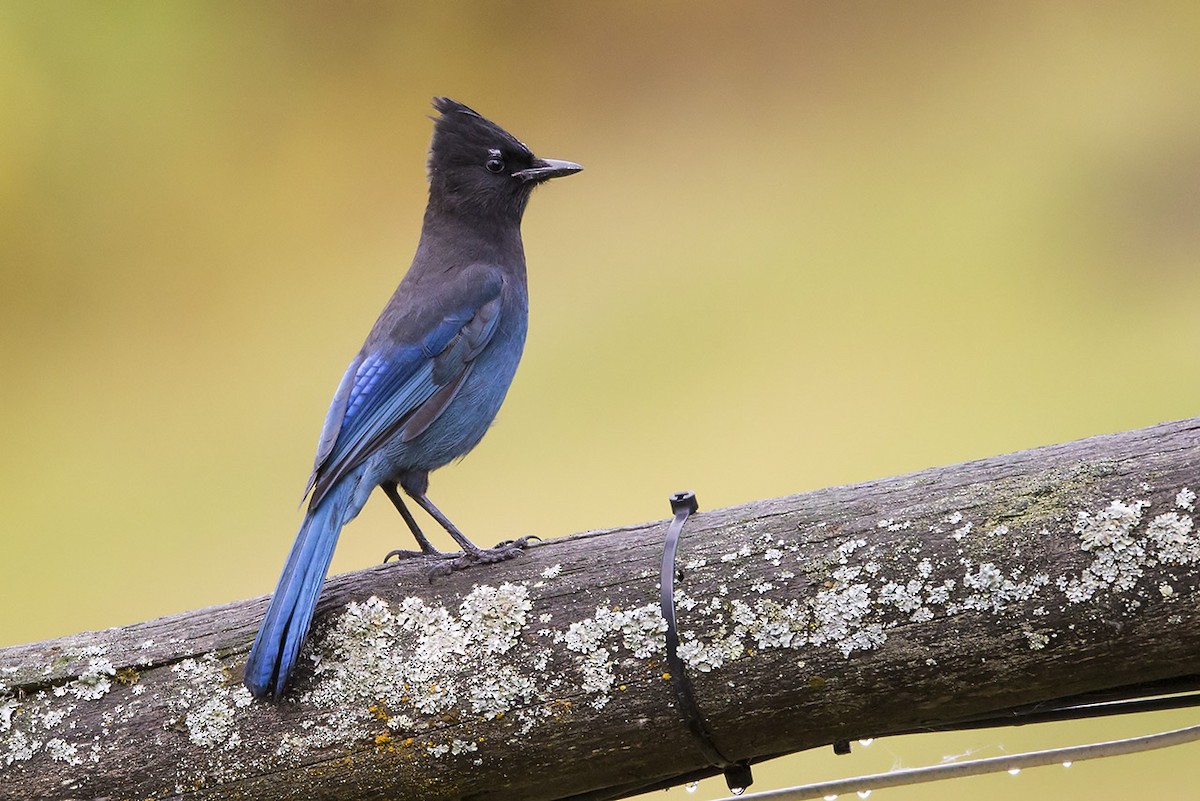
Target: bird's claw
(482, 556)
(400, 553)
(520, 542)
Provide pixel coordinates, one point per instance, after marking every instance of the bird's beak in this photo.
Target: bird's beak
(545, 169)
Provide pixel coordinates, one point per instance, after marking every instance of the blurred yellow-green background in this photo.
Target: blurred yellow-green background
(814, 244)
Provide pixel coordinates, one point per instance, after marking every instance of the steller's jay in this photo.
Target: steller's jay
(430, 376)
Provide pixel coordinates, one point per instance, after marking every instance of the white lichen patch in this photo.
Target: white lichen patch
(1186, 499)
(597, 640)
(916, 596)
(1172, 539)
(493, 695)
(494, 616)
(1118, 557)
(989, 589)
(8, 706)
(841, 618)
(1037, 640)
(411, 656)
(19, 746)
(708, 656)
(205, 703)
(62, 751)
(463, 746)
(93, 683)
(847, 548)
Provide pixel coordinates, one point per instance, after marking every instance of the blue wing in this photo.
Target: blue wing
(400, 384)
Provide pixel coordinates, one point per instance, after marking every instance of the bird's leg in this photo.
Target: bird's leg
(468, 547)
(472, 553)
(427, 548)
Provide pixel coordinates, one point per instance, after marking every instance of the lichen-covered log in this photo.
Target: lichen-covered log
(841, 613)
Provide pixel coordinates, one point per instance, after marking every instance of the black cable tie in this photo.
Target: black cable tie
(737, 774)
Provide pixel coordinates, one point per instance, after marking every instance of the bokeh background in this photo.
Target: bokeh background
(814, 244)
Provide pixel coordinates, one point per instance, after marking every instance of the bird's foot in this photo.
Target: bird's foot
(503, 551)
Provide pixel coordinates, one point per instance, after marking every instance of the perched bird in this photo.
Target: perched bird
(430, 376)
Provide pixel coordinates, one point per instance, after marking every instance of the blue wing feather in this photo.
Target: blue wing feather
(386, 386)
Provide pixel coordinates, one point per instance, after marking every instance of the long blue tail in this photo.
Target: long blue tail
(291, 611)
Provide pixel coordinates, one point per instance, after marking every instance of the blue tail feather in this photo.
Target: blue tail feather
(284, 627)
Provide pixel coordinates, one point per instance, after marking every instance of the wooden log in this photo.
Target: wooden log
(842, 613)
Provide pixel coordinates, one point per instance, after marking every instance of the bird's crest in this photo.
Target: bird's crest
(461, 135)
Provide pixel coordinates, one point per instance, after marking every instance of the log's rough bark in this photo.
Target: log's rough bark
(841, 613)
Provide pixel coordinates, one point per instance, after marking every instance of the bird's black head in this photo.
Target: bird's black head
(476, 167)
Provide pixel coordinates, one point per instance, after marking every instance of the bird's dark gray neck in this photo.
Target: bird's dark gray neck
(465, 238)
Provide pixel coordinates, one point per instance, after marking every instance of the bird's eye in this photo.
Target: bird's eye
(495, 164)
